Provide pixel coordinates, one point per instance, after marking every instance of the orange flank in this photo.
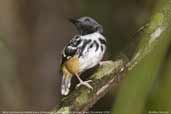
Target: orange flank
(71, 66)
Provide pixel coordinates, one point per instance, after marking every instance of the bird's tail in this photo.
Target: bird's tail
(65, 86)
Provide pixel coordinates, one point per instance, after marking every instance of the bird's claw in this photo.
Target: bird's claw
(85, 83)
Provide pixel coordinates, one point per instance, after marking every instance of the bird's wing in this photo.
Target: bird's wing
(69, 51)
(71, 48)
(76, 46)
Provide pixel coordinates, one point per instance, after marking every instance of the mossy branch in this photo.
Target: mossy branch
(107, 76)
(110, 73)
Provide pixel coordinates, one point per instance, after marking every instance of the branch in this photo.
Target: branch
(110, 73)
(107, 76)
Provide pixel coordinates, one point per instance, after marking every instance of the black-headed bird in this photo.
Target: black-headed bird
(84, 51)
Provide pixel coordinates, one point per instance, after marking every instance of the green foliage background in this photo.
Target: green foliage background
(33, 33)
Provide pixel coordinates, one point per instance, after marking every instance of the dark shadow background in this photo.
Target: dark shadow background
(33, 33)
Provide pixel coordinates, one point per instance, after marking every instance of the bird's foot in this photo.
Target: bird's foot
(85, 83)
(103, 62)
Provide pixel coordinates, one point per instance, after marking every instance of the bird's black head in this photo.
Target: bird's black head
(87, 25)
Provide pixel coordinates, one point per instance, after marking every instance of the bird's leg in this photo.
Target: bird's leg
(85, 83)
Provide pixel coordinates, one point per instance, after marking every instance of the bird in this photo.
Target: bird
(84, 51)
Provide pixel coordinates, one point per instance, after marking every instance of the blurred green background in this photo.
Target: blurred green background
(33, 33)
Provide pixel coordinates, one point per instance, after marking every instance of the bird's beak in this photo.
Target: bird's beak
(74, 21)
